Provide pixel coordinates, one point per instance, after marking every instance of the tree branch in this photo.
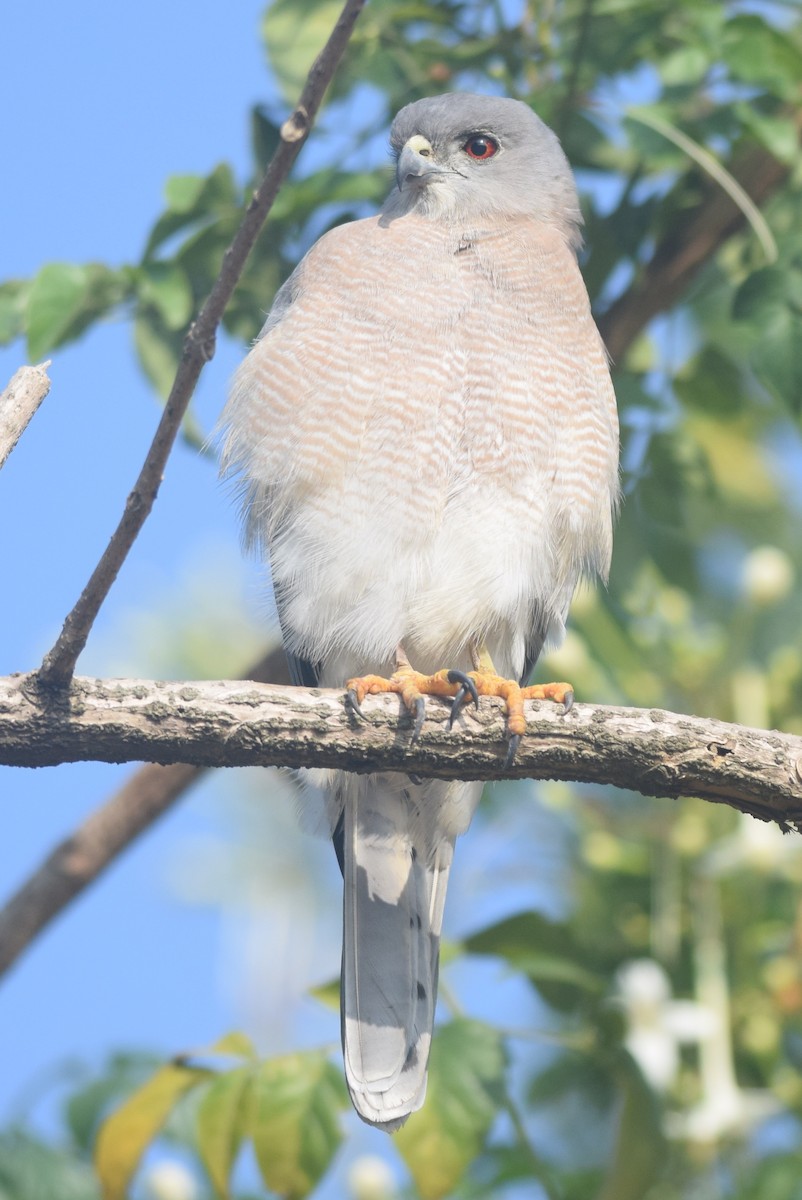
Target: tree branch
(152, 789)
(199, 345)
(687, 247)
(18, 403)
(225, 723)
(78, 860)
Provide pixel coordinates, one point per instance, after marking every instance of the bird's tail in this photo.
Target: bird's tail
(396, 858)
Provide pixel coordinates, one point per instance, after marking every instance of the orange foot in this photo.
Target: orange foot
(488, 683)
(413, 687)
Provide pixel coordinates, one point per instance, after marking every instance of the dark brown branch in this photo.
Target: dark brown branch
(225, 723)
(690, 244)
(18, 403)
(199, 345)
(80, 858)
(77, 861)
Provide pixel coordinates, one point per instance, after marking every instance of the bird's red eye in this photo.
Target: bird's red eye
(480, 146)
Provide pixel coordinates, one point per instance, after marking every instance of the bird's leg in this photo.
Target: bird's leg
(411, 686)
(484, 680)
(488, 682)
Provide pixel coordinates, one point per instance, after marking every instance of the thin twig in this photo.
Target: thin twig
(18, 403)
(199, 344)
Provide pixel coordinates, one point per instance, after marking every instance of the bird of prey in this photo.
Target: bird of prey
(426, 437)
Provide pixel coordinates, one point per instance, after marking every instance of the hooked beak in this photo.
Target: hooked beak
(416, 165)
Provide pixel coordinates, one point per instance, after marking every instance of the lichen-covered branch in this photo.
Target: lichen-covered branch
(234, 723)
(18, 403)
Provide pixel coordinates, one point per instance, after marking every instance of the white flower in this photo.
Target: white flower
(370, 1178)
(170, 1180)
(657, 1024)
(767, 575)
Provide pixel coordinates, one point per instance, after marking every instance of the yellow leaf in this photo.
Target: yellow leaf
(237, 1044)
(125, 1135)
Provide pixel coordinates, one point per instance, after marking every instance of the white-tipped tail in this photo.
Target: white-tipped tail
(396, 864)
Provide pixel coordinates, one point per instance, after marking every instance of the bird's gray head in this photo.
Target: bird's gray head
(463, 157)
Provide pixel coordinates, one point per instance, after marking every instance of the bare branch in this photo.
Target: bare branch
(199, 345)
(18, 403)
(687, 247)
(225, 723)
(78, 860)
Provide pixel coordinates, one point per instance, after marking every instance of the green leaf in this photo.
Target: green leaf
(165, 286)
(466, 1072)
(771, 300)
(544, 951)
(777, 360)
(183, 192)
(201, 193)
(300, 198)
(201, 253)
(55, 297)
(30, 1169)
(778, 134)
(125, 1135)
(194, 200)
(297, 1100)
(713, 383)
(640, 1148)
(689, 64)
(757, 53)
(328, 994)
(761, 296)
(294, 33)
(222, 1123)
(65, 298)
(85, 1107)
(13, 303)
(159, 350)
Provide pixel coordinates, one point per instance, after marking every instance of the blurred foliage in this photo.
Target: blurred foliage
(699, 1097)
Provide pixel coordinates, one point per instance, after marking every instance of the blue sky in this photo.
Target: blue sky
(106, 102)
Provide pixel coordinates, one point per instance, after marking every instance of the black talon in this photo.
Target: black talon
(512, 750)
(456, 704)
(420, 714)
(352, 704)
(466, 687)
(568, 700)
